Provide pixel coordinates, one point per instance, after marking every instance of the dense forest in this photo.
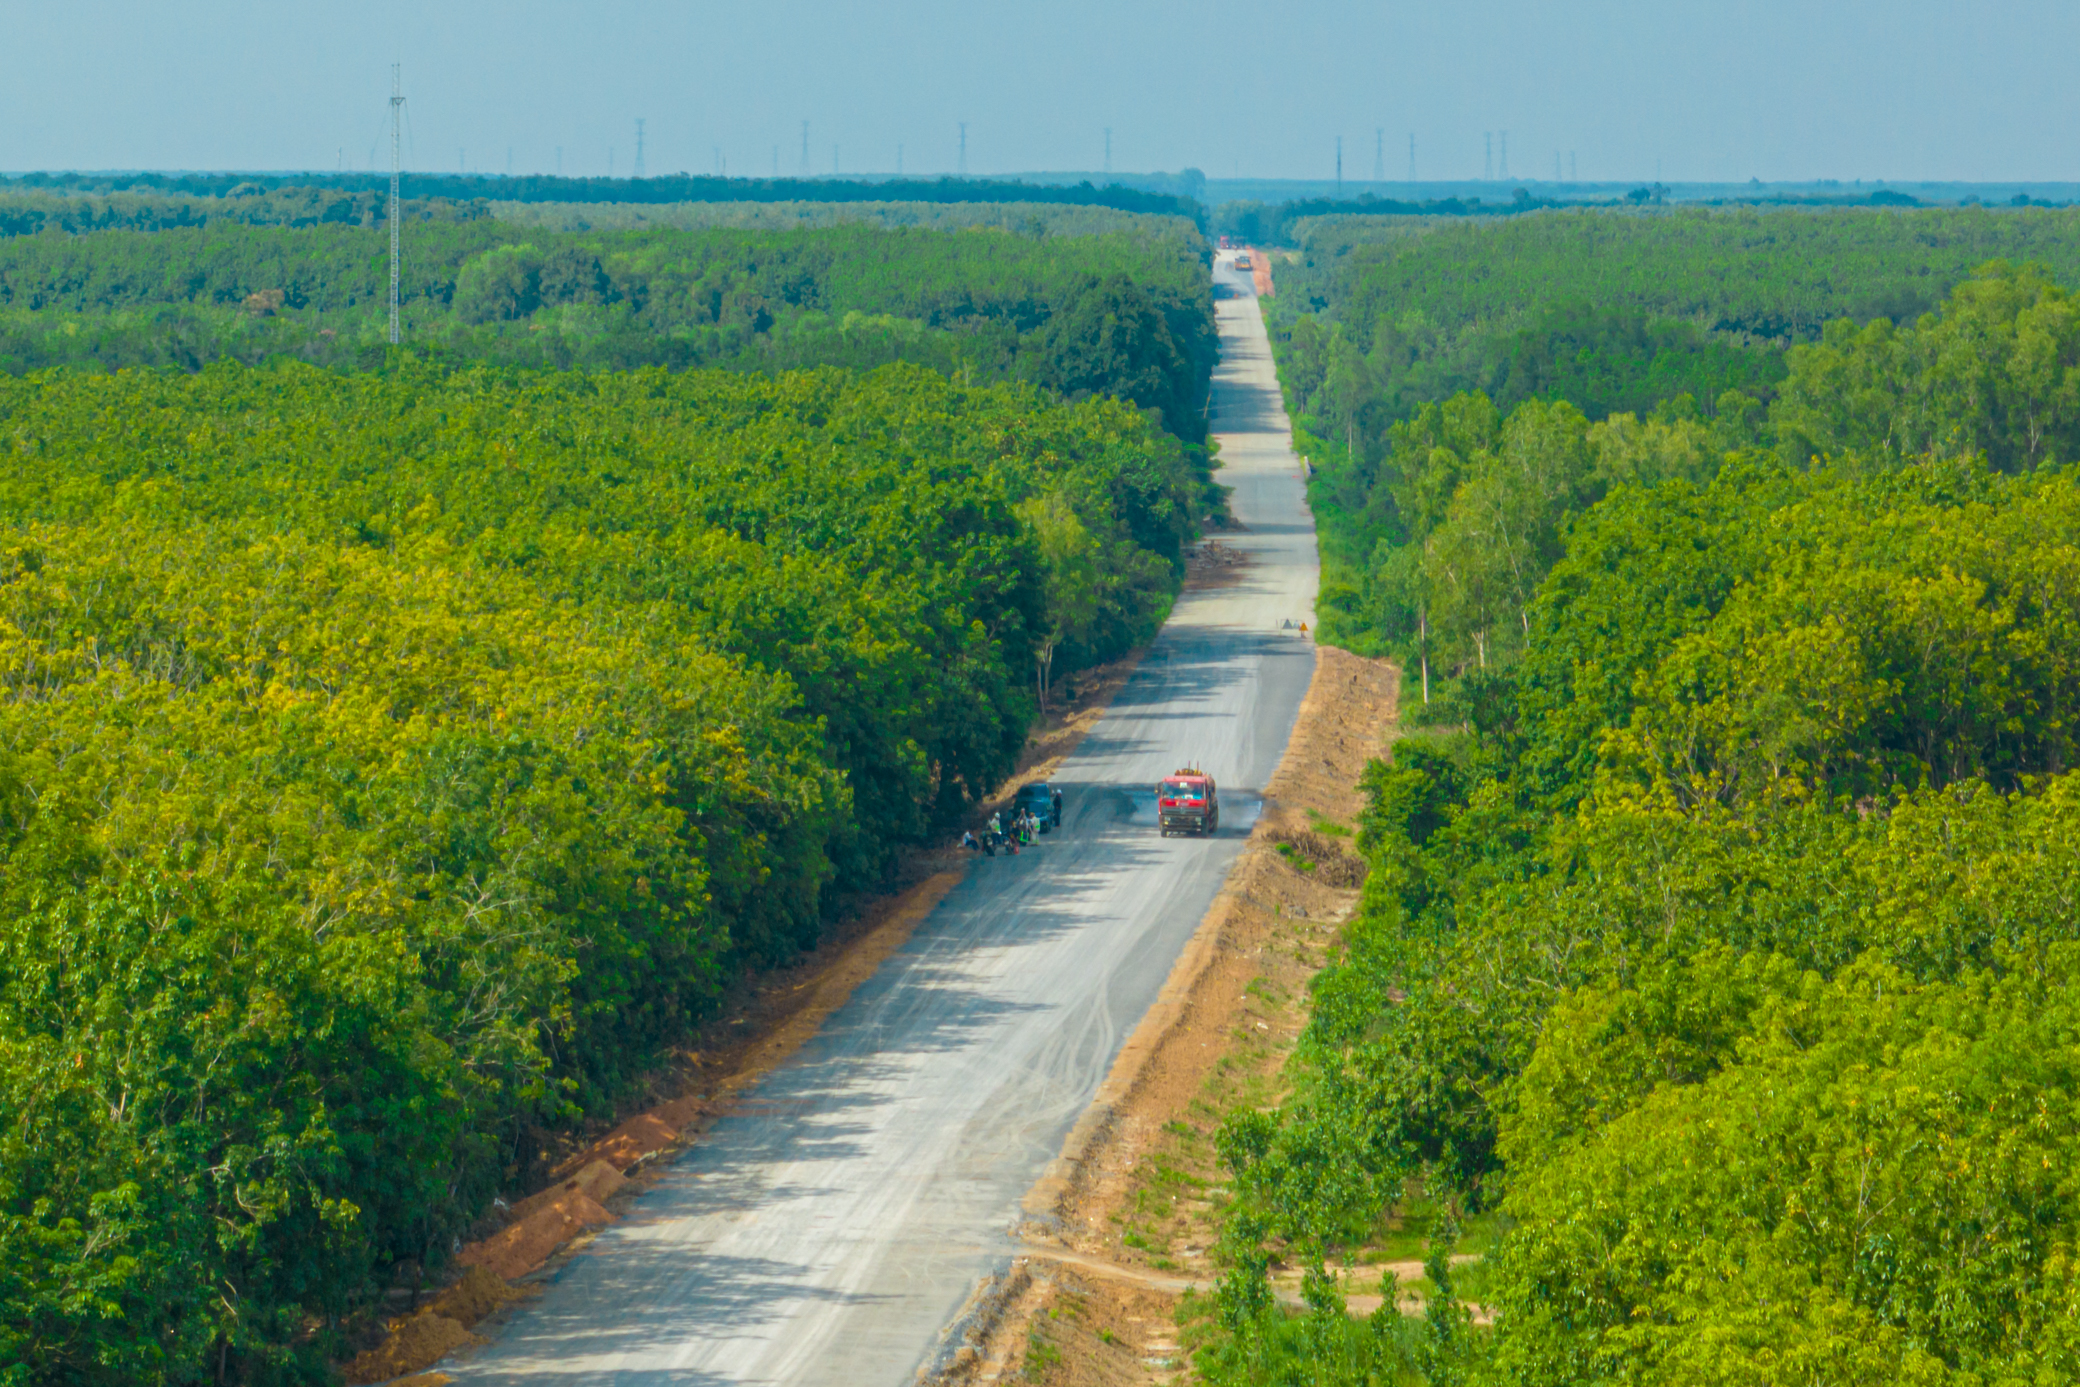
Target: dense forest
(1604, 344)
(392, 763)
(681, 187)
(1127, 314)
(1714, 977)
(1022, 218)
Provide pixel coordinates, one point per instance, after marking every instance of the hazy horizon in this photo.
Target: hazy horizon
(1620, 92)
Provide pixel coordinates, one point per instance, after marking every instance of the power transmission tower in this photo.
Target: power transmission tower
(962, 167)
(1108, 149)
(1379, 155)
(639, 149)
(396, 168)
(805, 149)
(1339, 166)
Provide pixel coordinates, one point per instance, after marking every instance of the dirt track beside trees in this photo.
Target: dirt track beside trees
(1121, 1229)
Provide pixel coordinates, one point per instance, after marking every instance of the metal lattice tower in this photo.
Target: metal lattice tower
(1339, 166)
(396, 205)
(1379, 155)
(963, 166)
(639, 148)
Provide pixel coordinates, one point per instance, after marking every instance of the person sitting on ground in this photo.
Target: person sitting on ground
(968, 841)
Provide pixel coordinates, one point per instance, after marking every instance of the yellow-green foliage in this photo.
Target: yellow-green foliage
(1727, 952)
(390, 764)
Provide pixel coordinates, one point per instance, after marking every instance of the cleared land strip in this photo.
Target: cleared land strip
(838, 1215)
(1121, 1227)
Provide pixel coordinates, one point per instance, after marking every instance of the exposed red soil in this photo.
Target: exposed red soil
(1122, 1224)
(773, 1016)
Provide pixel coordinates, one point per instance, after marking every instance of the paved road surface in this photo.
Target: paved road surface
(826, 1231)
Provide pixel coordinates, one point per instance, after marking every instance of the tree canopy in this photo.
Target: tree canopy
(1717, 952)
(392, 763)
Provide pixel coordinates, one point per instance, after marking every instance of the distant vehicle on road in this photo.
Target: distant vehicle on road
(1226, 244)
(1242, 261)
(1188, 802)
(1043, 801)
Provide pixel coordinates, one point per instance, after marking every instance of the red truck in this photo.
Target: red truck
(1188, 802)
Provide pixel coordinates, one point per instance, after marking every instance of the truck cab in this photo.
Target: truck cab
(1187, 801)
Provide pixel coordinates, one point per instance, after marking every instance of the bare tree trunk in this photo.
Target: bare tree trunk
(1423, 648)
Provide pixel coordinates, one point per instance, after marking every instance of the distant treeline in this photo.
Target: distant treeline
(1020, 218)
(1780, 275)
(29, 213)
(35, 211)
(672, 188)
(1124, 315)
(1278, 223)
(1272, 223)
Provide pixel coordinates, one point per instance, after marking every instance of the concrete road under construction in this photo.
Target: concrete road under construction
(829, 1228)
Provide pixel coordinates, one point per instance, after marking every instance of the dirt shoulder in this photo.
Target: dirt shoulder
(595, 1174)
(1122, 1225)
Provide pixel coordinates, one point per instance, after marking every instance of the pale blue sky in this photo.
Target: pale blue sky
(1776, 89)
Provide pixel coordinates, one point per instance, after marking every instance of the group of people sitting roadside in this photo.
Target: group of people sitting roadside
(1024, 831)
